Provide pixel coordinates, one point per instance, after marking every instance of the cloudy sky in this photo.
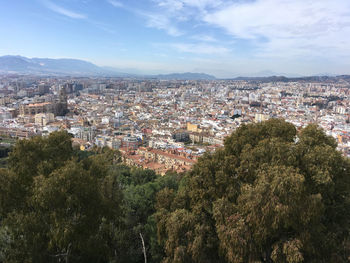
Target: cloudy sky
(224, 38)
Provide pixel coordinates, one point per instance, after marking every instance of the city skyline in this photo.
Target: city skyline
(223, 38)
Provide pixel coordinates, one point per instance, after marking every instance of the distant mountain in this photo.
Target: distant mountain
(23, 65)
(76, 67)
(269, 73)
(265, 79)
(184, 76)
(122, 71)
(285, 79)
(14, 63)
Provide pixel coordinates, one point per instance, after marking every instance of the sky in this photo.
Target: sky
(225, 38)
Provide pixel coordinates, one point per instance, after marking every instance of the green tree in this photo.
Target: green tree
(55, 208)
(270, 195)
(140, 188)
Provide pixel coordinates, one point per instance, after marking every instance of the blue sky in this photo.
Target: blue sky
(224, 38)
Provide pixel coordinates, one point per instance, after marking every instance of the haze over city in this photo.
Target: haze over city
(222, 38)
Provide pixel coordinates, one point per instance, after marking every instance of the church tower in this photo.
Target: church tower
(62, 105)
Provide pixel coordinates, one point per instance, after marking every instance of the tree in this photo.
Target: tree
(270, 195)
(39, 155)
(140, 188)
(54, 207)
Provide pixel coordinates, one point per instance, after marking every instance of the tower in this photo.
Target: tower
(63, 95)
(62, 105)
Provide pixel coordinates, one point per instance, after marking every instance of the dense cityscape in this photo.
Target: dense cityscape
(175, 131)
(167, 124)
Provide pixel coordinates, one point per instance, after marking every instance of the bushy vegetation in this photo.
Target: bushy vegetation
(272, 194)
(61, 205)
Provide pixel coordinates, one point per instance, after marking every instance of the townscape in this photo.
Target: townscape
(175, 131)
(167, 124)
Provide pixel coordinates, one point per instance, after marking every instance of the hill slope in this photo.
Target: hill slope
(48, 66)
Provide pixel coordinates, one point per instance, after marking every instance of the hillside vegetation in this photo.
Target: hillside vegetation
(272, 194)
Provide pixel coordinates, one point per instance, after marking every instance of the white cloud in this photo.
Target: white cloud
(275, 31)
(204, 38)
(115, 3)
(171, 13)
(296, 27)
(281, 18)
(199, 48)
(162, 22)
(173, 5)
(63, 11)
(274, 28)
(180, 4)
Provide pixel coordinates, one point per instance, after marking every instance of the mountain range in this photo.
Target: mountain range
(76, 67)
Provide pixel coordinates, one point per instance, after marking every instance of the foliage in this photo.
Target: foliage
(54, 207)
(140, 188)
(270, 195)
(60, 204)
